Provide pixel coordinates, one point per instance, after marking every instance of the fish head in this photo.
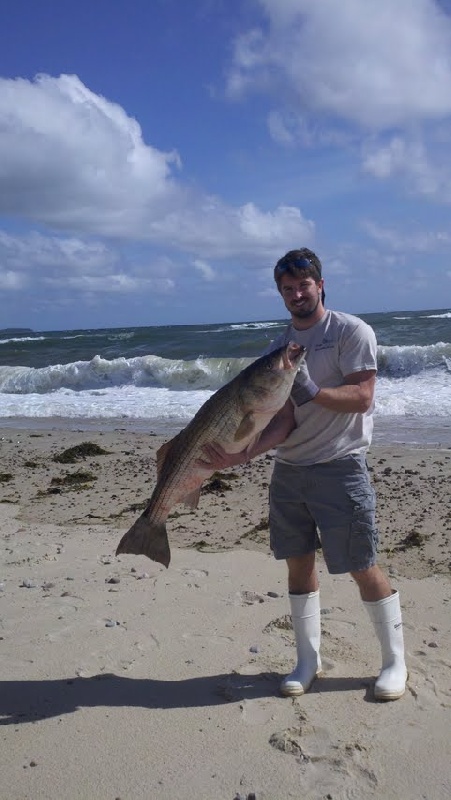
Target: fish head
(269, 380)
(292, 355)
(282, 365)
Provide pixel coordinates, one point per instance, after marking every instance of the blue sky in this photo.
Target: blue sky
(157, 158)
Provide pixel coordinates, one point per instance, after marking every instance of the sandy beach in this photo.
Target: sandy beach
(121, 679)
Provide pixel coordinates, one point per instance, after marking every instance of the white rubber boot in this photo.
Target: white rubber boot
(306, 619)
(387, 620)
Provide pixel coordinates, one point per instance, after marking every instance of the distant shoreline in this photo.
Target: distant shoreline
(15, 331)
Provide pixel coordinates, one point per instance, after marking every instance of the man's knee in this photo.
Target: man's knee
(372, 583)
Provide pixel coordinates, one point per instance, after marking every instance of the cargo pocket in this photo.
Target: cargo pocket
(364, 536)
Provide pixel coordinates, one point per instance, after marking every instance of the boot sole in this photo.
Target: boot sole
(389, 696)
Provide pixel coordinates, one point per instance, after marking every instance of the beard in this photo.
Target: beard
(304, 313)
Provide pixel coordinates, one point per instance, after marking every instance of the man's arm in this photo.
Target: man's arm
(355, 395)
(275, 433)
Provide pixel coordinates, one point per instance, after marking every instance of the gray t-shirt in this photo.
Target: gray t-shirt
(338, 345)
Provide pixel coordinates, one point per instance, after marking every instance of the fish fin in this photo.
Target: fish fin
(246, 427)
(161, 455)
(192, 499)
(146, 539)
(253, 442)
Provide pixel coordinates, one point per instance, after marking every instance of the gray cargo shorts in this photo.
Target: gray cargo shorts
(329, 506)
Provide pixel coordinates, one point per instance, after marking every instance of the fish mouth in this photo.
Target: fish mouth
(292, 356)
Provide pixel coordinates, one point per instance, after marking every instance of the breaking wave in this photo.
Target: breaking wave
(199, 374)
(142, 371)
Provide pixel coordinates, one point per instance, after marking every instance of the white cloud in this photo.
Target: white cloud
(383, 162)
(370, 78)
(205, 269)
(288, 128)
(414, 241)
(371, 62)
(338, 266)
(280, 128)
(218, 231)
(425, 168)
(77, 162)
(37, 251)
(270, 228)
(76, 265)
(10, 280)
(70, 157)
(112, 284)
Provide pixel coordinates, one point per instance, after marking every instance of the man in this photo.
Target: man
(320, 488)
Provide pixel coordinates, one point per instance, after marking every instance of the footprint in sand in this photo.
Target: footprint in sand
(247, 598)
(423, 683)
(257, 712)
(194, 573)
(109, 661)
(247, 690)
(289, 741)
(341, 625)
(338, 769)
(208, 638)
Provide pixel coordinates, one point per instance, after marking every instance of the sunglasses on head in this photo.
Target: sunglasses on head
(301, 262)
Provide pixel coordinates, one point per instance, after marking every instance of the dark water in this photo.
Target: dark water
(160, 376)
(187, 342)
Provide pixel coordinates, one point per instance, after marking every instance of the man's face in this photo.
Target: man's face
(301, 295)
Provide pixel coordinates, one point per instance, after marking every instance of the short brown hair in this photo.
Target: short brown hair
(296, 261)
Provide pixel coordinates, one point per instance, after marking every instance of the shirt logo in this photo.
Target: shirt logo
(325, 344)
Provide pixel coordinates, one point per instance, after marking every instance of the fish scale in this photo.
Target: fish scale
(233, 417)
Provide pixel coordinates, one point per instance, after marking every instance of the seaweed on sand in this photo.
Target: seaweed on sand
(83, 450)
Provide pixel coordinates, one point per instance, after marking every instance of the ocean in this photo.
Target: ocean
(156, 378)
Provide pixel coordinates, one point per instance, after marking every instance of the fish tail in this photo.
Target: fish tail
(148, 539)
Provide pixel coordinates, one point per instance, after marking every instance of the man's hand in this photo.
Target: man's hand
(274, 434)
(304, 389)
(217, 458)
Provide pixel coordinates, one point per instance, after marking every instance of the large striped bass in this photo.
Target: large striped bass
(234, 417)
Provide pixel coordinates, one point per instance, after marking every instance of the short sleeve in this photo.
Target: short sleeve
(358, 349)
